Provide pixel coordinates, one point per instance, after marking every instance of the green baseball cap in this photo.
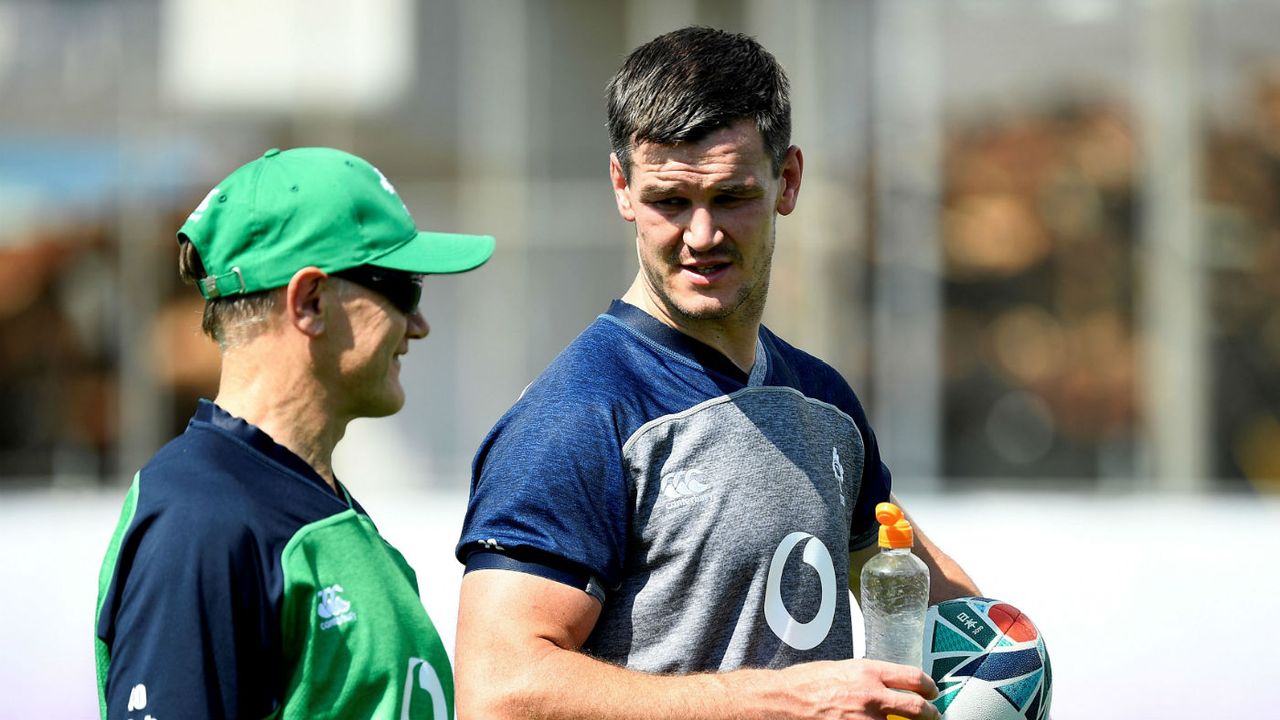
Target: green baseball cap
(313, 207)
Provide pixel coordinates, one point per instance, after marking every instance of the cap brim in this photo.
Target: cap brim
(438, 253)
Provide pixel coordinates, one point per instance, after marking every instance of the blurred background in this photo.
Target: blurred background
(1040, 238)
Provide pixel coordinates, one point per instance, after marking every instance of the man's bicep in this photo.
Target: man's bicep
(508, 623)
(507, 608)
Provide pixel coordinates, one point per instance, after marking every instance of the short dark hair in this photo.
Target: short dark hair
(682, 86)
(225, 319)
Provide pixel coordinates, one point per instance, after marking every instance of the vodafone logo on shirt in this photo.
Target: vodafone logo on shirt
(801, 635)
(426, 680)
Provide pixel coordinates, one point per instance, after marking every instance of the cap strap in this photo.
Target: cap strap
(215, 286)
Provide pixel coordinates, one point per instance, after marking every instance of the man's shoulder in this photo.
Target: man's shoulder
(603, 359)
(200, 465)
(606, 338)
(607, 382)
(206, 482)
(812, 376)
(796, 362)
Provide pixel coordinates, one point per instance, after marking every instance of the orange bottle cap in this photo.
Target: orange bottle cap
(895, 531)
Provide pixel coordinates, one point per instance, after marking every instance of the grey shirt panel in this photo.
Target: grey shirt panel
(738, 549)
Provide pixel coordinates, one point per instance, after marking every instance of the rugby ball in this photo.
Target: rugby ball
(989, 661)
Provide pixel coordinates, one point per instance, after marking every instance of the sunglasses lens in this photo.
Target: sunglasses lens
(410, 293)
(401, 289)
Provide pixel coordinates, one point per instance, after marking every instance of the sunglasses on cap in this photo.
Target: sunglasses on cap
(403, 290)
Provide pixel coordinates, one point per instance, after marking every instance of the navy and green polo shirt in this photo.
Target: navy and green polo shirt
(238, 584)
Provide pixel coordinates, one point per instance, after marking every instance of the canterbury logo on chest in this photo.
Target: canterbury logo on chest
(684, 483)
(333, 609)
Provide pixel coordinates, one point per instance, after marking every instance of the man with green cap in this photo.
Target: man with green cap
(243, 580)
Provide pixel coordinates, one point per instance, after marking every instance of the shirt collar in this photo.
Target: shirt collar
(694, 350)
(208, 413)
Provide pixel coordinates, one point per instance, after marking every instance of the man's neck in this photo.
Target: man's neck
(287, 405)
(734, 337)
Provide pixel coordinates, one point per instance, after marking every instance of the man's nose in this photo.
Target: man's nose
(702, 234)
(417, 327)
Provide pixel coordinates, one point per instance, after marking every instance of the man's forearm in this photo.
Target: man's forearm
(518, 656)
(947, 580)
(568, 685)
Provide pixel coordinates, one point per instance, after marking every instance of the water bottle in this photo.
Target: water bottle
(895, 593)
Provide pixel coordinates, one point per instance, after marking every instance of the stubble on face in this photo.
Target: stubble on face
(747, 303)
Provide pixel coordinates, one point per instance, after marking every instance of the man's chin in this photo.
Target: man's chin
(703, 308)
(705, 314)
(389, 404)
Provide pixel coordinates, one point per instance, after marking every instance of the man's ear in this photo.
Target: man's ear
(620, 195)
(304, 300)
(789, 183)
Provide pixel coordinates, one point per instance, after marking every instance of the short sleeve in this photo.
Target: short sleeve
(185, 620)
(549, 479)
(874, 489)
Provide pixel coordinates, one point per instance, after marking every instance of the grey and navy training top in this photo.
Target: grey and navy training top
(238, 584)
(712, 510)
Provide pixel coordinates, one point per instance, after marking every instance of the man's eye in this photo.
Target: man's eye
(670, 202)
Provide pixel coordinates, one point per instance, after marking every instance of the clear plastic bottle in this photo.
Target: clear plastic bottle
(895, 593)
